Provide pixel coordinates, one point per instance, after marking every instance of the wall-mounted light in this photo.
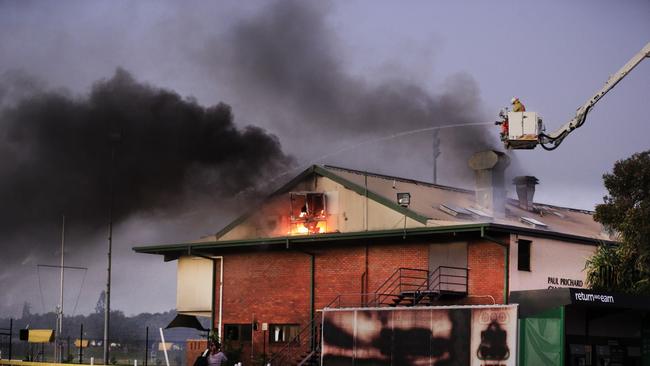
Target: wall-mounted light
(404, 199)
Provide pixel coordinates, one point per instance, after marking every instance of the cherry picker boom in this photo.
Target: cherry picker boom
(526, 129)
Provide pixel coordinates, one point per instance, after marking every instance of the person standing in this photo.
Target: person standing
(517, 105)
(215, 356)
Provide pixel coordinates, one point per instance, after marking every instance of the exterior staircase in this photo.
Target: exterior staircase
(310, 359)
(405, 287)
(411, 287)
(303, 349)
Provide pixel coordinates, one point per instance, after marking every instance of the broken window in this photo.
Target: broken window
(281, 333)
(308, 213)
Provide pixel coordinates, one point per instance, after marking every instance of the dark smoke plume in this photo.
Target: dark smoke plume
(56, 154)
(283, 68)
(287, 59)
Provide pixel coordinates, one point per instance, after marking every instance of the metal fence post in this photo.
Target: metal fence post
(81, 344)
(146, 346)
(11, 328)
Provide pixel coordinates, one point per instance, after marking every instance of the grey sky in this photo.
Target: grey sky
(552, 54)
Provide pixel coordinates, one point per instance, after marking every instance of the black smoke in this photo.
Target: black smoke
(287, 59)
(60, 153)
(282, 68)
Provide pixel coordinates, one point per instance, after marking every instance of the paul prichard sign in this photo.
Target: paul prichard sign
(463, 335)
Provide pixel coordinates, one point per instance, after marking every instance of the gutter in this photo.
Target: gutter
(307, 239)
(412, 232)
(548, 234)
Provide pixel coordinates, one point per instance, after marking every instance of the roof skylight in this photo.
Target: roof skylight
(478, 212)
(535, 223)
(455, 210)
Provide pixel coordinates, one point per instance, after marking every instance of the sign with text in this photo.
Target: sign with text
(555, 282)
(553, 264)
(615, 300)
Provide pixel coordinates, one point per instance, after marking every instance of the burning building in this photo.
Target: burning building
(336, 238)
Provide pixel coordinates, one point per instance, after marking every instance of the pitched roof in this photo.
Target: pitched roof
(426, 202)
(427, 198)
(352, 185)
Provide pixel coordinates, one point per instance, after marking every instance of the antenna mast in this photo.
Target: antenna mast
(436, 153)
(58, 349)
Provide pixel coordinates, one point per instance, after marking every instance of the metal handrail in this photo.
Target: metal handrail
(406, 280)
(396, 282)
(434, 280)
(397, 276)
(393, 287)
(285, 353)
(437, 282)
(388, 279)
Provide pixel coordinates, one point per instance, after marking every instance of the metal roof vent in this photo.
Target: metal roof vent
(489, 167)
(455, 211)
(525, 190)
(532, 222)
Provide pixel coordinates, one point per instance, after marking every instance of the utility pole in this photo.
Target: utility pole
(114, 139)
(58, 344)
(436, 153)
(59, 308)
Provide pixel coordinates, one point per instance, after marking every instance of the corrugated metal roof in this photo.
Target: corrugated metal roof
(426, 199)
(455, 210)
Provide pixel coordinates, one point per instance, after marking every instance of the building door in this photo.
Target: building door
(448, 266)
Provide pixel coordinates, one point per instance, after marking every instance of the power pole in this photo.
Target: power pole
(114, 139)
(58, 344)
(436, 153)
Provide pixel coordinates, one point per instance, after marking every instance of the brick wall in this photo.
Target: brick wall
(385, 259)
(274, 286)
(486, 262)
(341, 270)
(338, 271)
(193, 348)
(268, 287)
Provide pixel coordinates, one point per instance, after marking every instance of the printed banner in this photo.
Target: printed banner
(420, 336)
(494, 336)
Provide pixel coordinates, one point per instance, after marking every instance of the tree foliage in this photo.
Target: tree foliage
(626, 211)
(612, 268)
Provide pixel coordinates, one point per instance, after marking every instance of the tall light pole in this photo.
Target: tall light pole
(58, 350)
(436, 153)
(114, 139)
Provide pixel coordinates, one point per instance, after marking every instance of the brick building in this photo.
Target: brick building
(335, 237)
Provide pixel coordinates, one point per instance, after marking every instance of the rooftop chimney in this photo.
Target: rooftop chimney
(489, 167)
(525, 190)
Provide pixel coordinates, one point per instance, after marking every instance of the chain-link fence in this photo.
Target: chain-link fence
(5, 340)
(143, 351)
(126, 353)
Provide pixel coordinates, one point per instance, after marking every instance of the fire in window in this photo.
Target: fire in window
(308, 213)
